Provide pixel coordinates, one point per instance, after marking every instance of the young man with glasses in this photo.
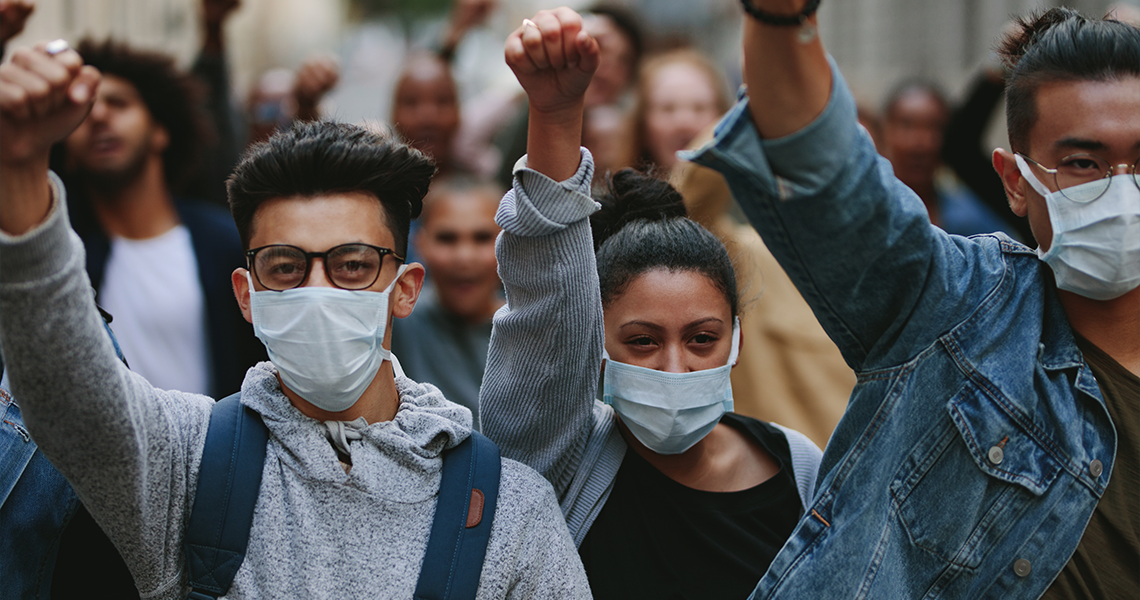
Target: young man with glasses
(352, 466)
(991, 447)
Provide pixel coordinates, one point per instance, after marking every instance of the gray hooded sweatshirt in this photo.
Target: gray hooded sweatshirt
(132, 453)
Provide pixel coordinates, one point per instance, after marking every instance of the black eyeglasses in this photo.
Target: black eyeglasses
(1079, 169)
(281, 267)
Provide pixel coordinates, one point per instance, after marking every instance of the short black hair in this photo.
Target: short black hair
(1061, 45)
(174, 98)
(643, 226)
(325, 157)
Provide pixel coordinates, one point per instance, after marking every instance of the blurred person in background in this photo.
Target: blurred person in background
(158, 261)
(444, 341)
(915, 116)
(679, 94)
(425, 108)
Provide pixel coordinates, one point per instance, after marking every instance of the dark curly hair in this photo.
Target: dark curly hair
(643, 226)
(323, 157)
(174, 98)
(1061, 45)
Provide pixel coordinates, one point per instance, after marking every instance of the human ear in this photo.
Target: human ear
(159, 139)
(1006, 167)
(407, 290)
(241, 291)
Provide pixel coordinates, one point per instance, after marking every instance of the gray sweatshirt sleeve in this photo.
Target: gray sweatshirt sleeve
(538, 391)
(125, 446)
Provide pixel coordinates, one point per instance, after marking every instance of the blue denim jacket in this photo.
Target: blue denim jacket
(976, 443)
(36, 504)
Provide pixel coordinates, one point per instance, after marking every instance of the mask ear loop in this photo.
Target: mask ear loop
(735, 342)
(1028, 174)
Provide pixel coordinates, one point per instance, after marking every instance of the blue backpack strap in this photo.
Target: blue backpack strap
(229, 479)
(464, 513)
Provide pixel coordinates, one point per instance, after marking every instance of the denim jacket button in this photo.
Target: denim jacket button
(1096, 468)
(1022, 567)
(1040, 351)
(996, 454)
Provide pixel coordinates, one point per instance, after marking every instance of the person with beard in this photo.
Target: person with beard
(159, 263)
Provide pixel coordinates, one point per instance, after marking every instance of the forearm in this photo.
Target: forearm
(25, 195)
(104, 428)
(538, 391)
(553, 140)
(789, 81)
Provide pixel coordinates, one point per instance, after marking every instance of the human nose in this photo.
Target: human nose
(98, 110)
(674, 360)
(318, 277)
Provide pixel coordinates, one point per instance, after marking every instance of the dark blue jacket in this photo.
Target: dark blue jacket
(218, 250)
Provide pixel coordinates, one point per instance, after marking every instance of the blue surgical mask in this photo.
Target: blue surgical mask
(1095, 250)
(325, 342)
(670, 412)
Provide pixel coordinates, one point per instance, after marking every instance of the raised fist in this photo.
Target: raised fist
(315, 78)
(43, 97)
(553, 58)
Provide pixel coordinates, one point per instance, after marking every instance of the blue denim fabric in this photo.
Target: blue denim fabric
(960, 346)
(36, 504)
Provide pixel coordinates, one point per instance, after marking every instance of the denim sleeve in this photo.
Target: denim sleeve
(858, 244)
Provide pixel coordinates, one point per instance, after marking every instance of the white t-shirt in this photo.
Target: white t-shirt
(151, 288)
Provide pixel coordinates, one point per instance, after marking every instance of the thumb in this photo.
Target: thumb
(82, 89)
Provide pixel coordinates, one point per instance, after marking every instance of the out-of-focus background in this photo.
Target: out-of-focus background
(876, 42)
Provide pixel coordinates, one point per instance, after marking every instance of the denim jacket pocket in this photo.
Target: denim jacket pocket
(968, 482)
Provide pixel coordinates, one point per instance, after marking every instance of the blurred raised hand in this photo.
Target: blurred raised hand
(13, 16)
(316, 77)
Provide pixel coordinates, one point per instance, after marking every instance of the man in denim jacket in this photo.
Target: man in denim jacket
(995, 415)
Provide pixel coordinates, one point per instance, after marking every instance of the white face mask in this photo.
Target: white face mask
(1095, 250)
(670, 412)
(325, 342)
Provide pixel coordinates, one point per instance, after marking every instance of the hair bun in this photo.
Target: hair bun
(1027, 31)
(629, 195)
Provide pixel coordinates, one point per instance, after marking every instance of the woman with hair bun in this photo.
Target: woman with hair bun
(666, 492)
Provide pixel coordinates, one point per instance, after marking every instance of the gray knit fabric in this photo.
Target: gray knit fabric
(132, 453)
(538, 397)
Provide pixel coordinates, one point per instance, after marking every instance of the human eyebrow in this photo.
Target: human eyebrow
(1078, 144)
(703, 322)
(646, 324)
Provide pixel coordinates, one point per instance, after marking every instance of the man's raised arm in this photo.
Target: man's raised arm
(785, 68)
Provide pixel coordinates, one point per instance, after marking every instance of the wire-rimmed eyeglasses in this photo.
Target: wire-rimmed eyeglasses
(1078, 169)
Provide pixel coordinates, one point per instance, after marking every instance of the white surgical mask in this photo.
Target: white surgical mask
(325, 342)
(670, 412)
(1095, 250)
